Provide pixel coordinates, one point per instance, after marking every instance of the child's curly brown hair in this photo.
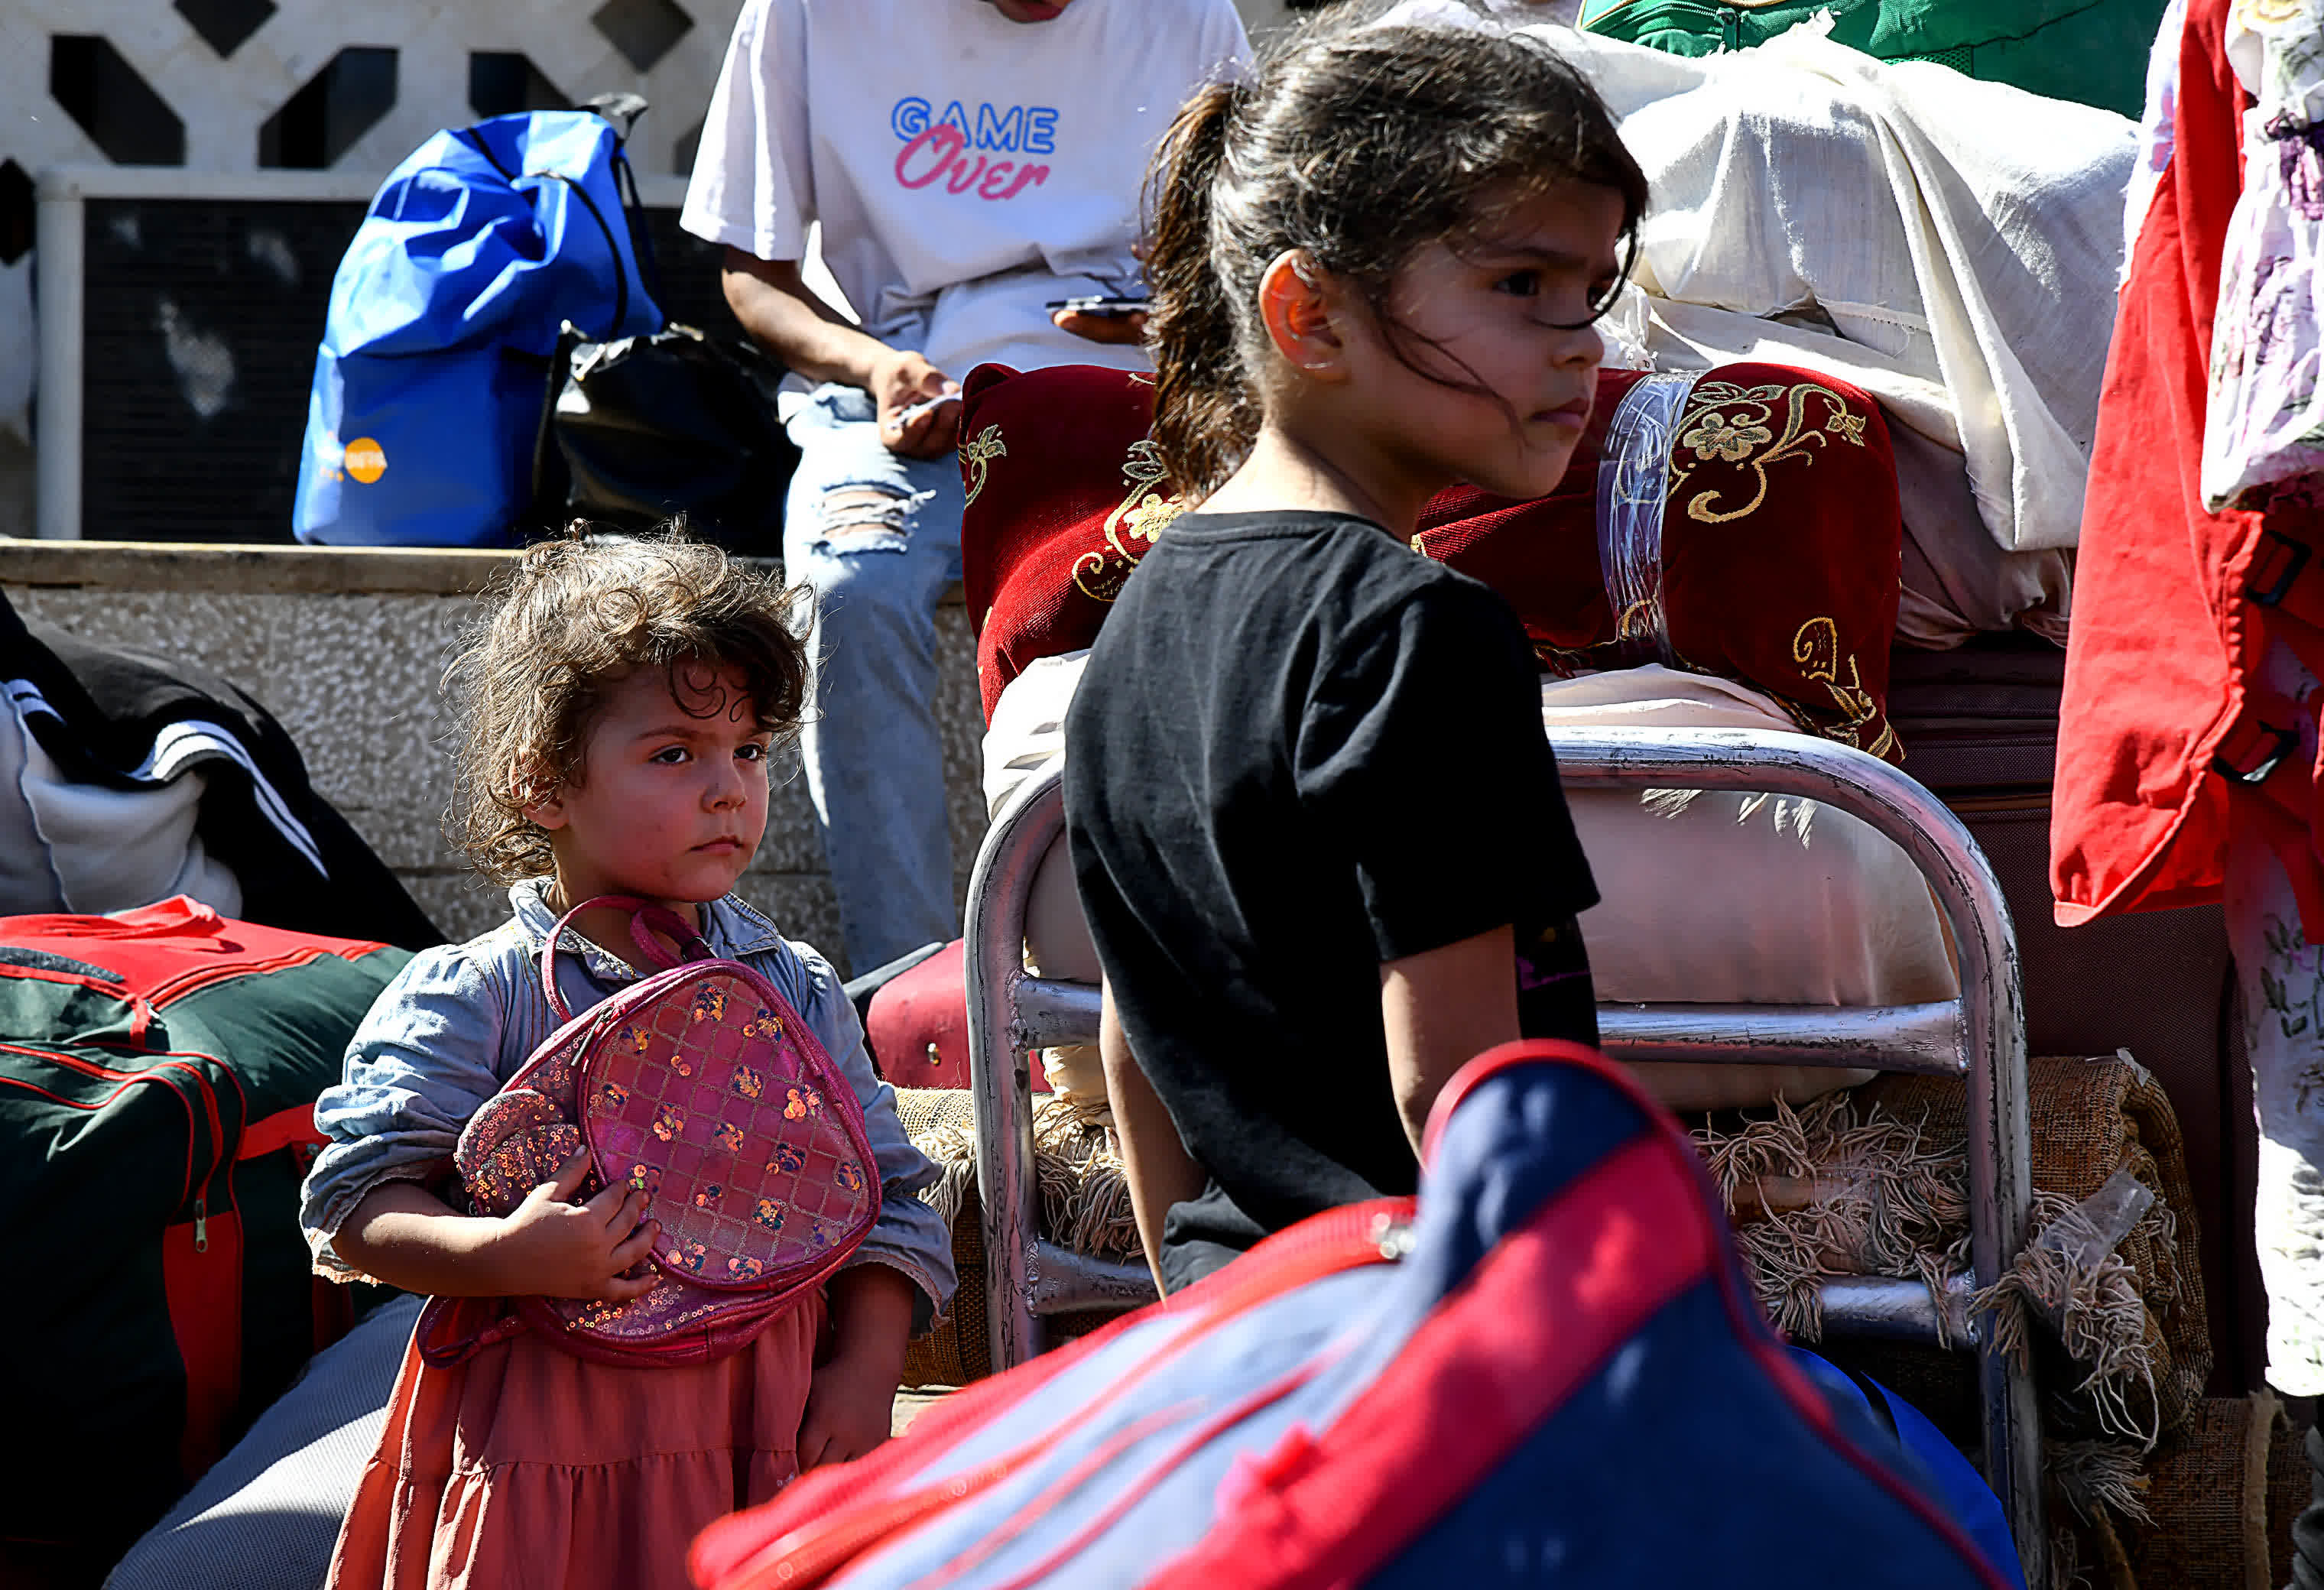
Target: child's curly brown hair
(574, 616)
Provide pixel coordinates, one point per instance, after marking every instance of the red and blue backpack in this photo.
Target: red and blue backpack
(1545, 1369)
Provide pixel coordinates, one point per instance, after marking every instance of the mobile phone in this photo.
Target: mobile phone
(1111, 309)
(904, 417)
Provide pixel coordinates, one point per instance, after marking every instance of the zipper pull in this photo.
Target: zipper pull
(201, 1223)
(1391, 1236)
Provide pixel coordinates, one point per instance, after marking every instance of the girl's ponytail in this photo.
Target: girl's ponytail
(1204, 419)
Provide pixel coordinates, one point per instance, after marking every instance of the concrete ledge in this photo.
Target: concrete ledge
(264, 568)
(251, 570)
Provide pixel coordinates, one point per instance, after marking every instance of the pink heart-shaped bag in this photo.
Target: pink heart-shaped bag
(701, 1086)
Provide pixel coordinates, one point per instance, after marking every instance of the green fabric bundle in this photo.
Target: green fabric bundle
(2091, 52)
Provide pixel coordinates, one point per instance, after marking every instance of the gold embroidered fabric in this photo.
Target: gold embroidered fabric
(977, 455)
(1130, 528)
(1733, 423)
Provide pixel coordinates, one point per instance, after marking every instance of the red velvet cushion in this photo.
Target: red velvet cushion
(1781, 535)
(918, 1025)
(1065, 496)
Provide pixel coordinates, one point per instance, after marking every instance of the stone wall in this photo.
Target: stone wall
(345, 646)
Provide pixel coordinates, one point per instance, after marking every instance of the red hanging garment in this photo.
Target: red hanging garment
(2165, 740)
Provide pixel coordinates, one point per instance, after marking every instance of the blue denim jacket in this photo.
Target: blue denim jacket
(460, 1020)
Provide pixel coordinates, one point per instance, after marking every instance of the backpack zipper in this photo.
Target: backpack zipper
(219, 1152)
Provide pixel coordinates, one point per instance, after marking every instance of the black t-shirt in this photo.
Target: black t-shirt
(1299, 750)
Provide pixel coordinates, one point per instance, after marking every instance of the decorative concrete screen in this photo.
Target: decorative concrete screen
(190, 91)
(250, 85)
(156, 118)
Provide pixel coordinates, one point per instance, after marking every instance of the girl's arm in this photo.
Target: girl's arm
(1441, 1008)
(408, 1238)
(850, 1405)
(1154, 1157)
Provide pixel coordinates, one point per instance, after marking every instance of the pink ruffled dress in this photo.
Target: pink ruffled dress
(527, 1468)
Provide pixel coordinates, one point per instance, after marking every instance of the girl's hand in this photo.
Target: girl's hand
(850, 1409)
(548, 1247)
(852, 1401)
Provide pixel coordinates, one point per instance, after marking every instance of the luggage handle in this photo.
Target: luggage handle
(646, 921)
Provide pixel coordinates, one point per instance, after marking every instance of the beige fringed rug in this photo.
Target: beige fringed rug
(2217, 1500)
(1084, 1197)
(1084, 1202)
(1873, 1182)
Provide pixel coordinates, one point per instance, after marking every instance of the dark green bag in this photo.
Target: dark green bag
(158, 1075)
(2091, 52)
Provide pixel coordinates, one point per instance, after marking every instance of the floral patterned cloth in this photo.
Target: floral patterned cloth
(1758, 538)
(2266, 423)
(2281, 977)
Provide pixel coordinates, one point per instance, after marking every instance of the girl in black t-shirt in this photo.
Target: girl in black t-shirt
(1314, 817)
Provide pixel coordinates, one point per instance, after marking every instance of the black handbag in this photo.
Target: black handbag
(644, 429)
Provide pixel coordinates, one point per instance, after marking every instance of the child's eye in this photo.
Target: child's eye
(670, 754)
(1522, 284)
(753, 752)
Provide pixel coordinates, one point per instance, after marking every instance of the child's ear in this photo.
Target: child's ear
(1298, 302)
(542, 810)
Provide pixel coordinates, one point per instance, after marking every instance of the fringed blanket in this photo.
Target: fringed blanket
(1084, 1204)
(1873, 1182)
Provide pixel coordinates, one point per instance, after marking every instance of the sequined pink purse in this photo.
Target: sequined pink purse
(701, 1086)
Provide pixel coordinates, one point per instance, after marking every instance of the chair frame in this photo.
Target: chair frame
(1980, 1035)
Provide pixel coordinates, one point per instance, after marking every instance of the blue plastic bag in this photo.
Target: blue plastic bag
(431, 375)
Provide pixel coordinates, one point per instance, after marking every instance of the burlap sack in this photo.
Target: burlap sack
(2091, 1119)
(958, 1349)
(1084, 1202)
(942, 1125)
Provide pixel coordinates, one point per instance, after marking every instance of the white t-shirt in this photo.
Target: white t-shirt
(966, 170)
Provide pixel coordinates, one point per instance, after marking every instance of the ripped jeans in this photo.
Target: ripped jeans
(878, 538)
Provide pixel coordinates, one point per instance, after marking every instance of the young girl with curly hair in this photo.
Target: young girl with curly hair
(619, 704)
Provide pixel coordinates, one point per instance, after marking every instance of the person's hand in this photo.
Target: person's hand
(1101, 328)
(900, 379)
(548, 1248)
(850, 1405)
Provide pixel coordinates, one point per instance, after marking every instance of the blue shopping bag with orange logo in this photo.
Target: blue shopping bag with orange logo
(445, 315)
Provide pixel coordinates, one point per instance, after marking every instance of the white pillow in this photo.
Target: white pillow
(1711, 898)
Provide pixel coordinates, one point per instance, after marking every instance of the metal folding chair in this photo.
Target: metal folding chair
(1981, 1036)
